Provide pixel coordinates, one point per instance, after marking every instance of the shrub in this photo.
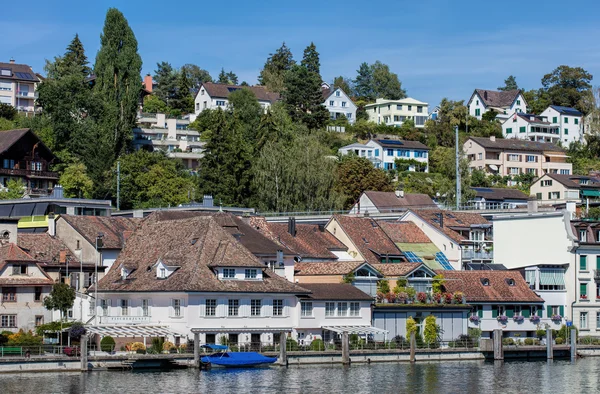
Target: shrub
(422, 297)
(157, 344)
(183, 347)
(390, 297)
(474, 333)
(107, 344)
(168, 346)
(411, 293)
(431, 331)
(508, 341)
(77, 330)
(437, 297)
(137, 346)
(399, 341)
(560, 341)
(383, 286)
(317, 344)
(458, 297)
(540, 333)
(411, 326)
(23, 338)
(447, 298)
(528, 341)
(291, 345)
(437, 284)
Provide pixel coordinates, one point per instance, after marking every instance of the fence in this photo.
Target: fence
(44, 350)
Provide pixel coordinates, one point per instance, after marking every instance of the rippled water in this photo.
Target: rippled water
(440, 377)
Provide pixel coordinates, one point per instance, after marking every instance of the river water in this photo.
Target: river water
(440, 377)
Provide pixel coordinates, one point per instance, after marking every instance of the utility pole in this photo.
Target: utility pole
(458, 196)
(118, 184)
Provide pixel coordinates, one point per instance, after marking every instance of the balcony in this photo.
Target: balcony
(28, 173)
(27, 95)
(470, 254)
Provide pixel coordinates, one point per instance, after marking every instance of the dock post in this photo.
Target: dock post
(573, 345)
(549, 350)
(498, 349)
(196, 350)
(83, 354)
(282, 349)
(413, 346)
(345, 348)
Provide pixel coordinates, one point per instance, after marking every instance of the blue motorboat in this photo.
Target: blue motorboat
(224, 358)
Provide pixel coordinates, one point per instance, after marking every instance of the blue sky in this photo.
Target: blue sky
(438, 48)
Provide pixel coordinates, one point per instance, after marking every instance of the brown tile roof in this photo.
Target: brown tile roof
(310, 240)
(371, 241)
(470, 283)
(494, 98)
(396, 269)
(389, 202)
(404, 232)
(326, 268)
(45, 248)
(516, 145)
(115, 229)
(499, 194)
(569, 181)
(537, 119)
(402, 144)
(19, 68)
(222, 91)
(12, 253)
(452, 221)
(335, 291)
(195, 245)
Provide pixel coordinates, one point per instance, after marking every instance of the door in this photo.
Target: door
(255, 342)
(211, 338)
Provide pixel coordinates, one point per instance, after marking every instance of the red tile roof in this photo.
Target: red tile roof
(326, 268)
(389, 202)
(310, 240)
(452, 221)
(494, 98)
(335, 291)
(45, 248)
(499, 290)
(404, 232)
(396, 269)
(115, 229)
(371, 241)
(12, 253)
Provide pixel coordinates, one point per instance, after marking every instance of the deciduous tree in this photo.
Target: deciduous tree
(570, 87)
(356, 175)
(273, 73)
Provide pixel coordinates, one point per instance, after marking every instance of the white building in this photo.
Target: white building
(338, 103)
(383, 153)
(567, 121)
(18, 84)
(396, 112)
(504, 103)
(215, 95)
(530, 127)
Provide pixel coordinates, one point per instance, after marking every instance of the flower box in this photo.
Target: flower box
(583, 297)
(474, 319)
(518, 319)
(534, 319)
(502, 319)
(556, 318)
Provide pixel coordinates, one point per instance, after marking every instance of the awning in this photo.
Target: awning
(130, 331)
(530, 277)
(223, 330)
(590, 193)
(546, 278)
(355, 329)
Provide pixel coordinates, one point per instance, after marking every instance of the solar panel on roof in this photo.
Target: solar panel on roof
(412, 258)
(441, 258)
(391, 142)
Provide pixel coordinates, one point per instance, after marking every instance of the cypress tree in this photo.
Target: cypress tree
(118, 81)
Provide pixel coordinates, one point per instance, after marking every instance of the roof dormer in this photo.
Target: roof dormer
(163, 271)
(239, 273)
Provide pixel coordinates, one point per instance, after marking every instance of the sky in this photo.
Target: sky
(438, 48)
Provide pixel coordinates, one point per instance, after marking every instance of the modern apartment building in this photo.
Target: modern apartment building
(18, 85)
(553, 125)
(504, 103)
(156, 131)
(396, 112)
(384, 153)
(513, 157)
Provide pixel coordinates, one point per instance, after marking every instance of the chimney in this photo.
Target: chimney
(292, 226)
(51, 224)
(62, 256)
(485, 95)
(441, 219)
(493, 138)
(12, 60)
(148, 82)
(400, 193)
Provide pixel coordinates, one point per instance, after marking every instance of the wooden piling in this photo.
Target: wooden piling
(84, 353)
(413, 347)
(549, 350)
(498, 349)
(282, 348)
(345, 348)
(573, 344)
(196, 350)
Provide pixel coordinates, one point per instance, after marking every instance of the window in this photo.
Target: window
(6, 86)
(162, 273)
(8, 321)
(348, 115)
(306, 309)
(583, 237)
(576, 121)
(331, 103)
(513, 157)
(19, 269)
(531, 159)
(477, 112)
(38, 294)
(177, 308)
(546, 182)
(531, 171)
(509, 130)
(566, 131)
(583, 320)
(220, 103)
(234, 308)
(399, 107)
(597, 320)
(419, 109)
(250, 273)
(376, 152)
(343, 104)
(522, 129)
(277, 307)
(211, 307)
(228, 273)
(566, 120)
(554, 119)
(513, 170)
(337, 93)
(330, 309)
(92, 308)
(480, 156)
(9, 294)
(518, 102)
(553, 195)
(583, 290)
(420, 153)
(204, 105)
(124, 307)
(410, 107)
(255, 307)
(145, 307)
(538, 196)
(342, 309)
(390, 152)
(39, 320)
(485, 281)
(197, 106)
(355, 309)
(104, 306)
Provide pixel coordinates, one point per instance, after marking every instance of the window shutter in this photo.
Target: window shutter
(286, 308)
(549, 311)
(540, 312)
(222, 307)
(149, 307)
(525, 312)
(562, 310)
(268, 307)
(118, 308)
(480, 313)
(494, 311)
(202, 306)
(510, 312)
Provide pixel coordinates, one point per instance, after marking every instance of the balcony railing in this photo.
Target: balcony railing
(28, 173)
(30, 95)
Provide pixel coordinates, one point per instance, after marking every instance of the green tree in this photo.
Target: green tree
(303, 97)
(411, 326)
(480, 179)
(510, 83)
(386, 83)
(227, 78)
(310, 59)
(363, 84)
(118, 82)
(15, 189)
(343, 83)
(153, 105)
(247, 113)
(273, 73)
(61, 298)
(356, 175)
(76, 57)
(75, 181)
(166, 82)
(195, 75)
(537, 100)
(7, 111)
(6, 124)
(570, 87)
(431, 331)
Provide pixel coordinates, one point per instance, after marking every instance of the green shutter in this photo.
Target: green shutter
(576, 121)
(480, 312)
(522, 129)
(538, 196)
(494, 311)
(554, 119)
(566, 131)
(548, 311)
(525, 312)
(518, 102)
(509, 130)
(540, 311)
(562, 310)
(566, 120)
(583, 289)
(510, 312)
(598, 262)
(582, 263)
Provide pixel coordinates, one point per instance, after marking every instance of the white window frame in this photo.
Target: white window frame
(124, 307)
(228, 273)
(278, 305)
(306, 308)
(177, 305)
(251, 273)
(210, 306)
(330, 309)
(256, 307)
(583, 320)
(233, 307)
(355, 309)
(145, 307)
(342, 309)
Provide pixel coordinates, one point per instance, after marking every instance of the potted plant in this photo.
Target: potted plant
(422, 297)
(518, 319)
(390, 297)
(380, 297)
(474, 319)
(437, 297)
(447, 298)
(535, 319)
(583, 296)
(458, 297)
(556, 318)
(401, 297)
(502, 319)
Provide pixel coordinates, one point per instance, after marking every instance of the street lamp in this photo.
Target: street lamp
(98, 244)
